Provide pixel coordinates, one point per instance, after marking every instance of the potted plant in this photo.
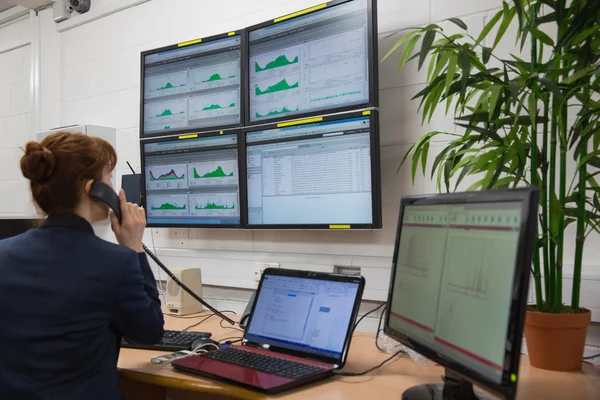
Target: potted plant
(524, 121)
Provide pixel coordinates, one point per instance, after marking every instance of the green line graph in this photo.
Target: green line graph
(280, 61)
(169, 206)
(167, 113)
(284, 110)
(217, 77)
(168, 85)
(217, 173)
(278, 87)
(214, 206)
(217, 107)
(334, 96)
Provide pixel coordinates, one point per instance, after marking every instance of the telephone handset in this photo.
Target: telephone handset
(103, 193)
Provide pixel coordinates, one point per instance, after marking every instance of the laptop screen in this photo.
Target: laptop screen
(301, 314)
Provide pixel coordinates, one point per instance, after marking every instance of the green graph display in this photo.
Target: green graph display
(284, 110)
(217, 77)
(334, 96)
(280, 61)
(167, 127)
(278, 87)
(217, 107)
(217, 173)
(169, 206)
(168, 112)
(213, 206)
(169, 85)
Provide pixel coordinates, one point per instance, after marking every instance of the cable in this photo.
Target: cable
(364, 315)
(590, 357)
(342, 373)
(228, 340)
(205, 319)
(160, 288)
(231, 327)
(184, 287)
(190, 316)
(379, 329)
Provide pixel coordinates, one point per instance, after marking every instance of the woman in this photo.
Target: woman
(66, 295)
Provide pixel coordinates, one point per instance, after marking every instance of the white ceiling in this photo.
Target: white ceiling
(32, 4)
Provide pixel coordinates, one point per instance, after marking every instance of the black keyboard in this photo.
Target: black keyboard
(260, 362)
(171, 341)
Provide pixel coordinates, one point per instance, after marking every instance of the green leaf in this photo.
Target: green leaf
(508, 17)
(541, 36)
(547, 18)
(432, 62)
(465, 65)
(485, 132)
(489, 26)
(504, 182)
(532, 108)
(475, 186)
(446, 56)
(584, 35)
(577, 75)
(553, 87)
(494, 96)
(514, 87)
(590, 157)
(424, 157)
(425, 47)
(487, 53)
(409, 48)
(554, 214)
(458, 22)
(398, 44)
(415, 163)
(450, 73)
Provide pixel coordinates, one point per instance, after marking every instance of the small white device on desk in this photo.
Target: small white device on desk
(179, 302)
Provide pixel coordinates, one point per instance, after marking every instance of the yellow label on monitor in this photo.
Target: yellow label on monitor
(220, 133)
(194, 135)
(339, 226)
(513, 378)
(297, 14)
(300, 122)
(367, 112)
(231, 34)
(189, 42)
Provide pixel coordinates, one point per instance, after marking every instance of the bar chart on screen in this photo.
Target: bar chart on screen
(165, 115)
(214, 205)
(174, 205)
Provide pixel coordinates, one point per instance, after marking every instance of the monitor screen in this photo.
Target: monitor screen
(315, 62)
(192, 88)
(309, 315)
(313, 174)
(453, 283)
(192, 181)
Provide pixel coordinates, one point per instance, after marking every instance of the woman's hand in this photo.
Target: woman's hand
(131, 231)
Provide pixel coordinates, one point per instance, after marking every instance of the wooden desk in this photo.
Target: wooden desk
(141, 379)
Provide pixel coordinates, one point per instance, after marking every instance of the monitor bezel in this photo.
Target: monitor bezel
(243, 83)
(373, 115)
(241, 187)
(372, 53)
(358, 279)
(529, 198)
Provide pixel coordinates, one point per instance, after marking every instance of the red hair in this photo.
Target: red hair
(59, 166)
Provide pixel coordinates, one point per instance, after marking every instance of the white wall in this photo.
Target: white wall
(90, 74)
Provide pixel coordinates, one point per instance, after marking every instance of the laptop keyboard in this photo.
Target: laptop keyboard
(260, 362)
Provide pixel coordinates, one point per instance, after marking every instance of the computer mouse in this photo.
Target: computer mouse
(205, 344)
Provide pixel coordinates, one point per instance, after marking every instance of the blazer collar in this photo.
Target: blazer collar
(68, 220)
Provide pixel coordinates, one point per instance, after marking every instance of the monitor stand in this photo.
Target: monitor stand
(454, 388)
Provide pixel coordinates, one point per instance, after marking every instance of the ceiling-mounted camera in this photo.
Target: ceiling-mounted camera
(64, 8)
(81, 6)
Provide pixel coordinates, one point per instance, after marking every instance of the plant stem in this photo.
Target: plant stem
(552, 192)
(544, 199)
(534, 163)
(580, 237)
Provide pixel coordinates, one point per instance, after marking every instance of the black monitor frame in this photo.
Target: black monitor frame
(198, 42)
(529, 199)
(373, 62)
(241, 175)
(375, 171)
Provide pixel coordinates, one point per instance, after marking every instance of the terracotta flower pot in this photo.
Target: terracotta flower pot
(556, 341)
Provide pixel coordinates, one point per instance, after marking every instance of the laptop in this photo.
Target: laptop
(299, 332)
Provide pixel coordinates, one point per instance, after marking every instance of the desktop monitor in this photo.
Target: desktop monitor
(10, 227)
(192, 181)
(192, 87)
(313, 62)
(459, 284)
(320, 173)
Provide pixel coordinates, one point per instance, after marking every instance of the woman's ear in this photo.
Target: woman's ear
(88, 186)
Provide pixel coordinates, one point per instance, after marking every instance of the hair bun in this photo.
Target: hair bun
(38, 163)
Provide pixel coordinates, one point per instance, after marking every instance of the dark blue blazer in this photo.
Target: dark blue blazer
(66, 297)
